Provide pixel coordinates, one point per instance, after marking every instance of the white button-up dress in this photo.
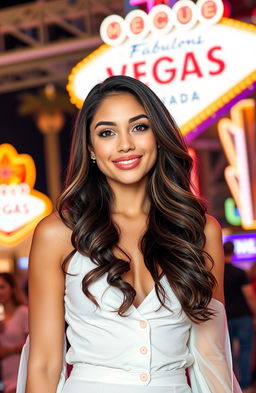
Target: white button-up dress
(145, 352)
(146, 349)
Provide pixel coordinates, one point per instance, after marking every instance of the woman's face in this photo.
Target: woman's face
(5, 291)
(122, 140)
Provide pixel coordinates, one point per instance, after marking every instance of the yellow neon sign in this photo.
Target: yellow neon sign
(21, 207)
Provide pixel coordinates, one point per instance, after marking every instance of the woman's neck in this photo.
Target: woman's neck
(130, 200)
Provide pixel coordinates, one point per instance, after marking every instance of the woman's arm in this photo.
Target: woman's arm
(212, 371)
(51, 243)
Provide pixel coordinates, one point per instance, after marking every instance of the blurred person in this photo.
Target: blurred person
(13, 329)
(240, 301)
(252, 275)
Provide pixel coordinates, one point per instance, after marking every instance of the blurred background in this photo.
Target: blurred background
(40, 42)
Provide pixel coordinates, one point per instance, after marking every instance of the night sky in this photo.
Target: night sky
(23, 134)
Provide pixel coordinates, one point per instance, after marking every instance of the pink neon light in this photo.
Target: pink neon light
(194, 173)
(150, 3)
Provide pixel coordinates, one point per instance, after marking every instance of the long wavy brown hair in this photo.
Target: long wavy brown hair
(174, 239)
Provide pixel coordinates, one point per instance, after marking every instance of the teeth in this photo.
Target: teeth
(127, 162)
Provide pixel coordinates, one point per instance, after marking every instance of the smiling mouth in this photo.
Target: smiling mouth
(128, 164)
(127, 161)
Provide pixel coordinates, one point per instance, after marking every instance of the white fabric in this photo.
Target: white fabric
(83, 377)
(210, 346)
(91, 373)
(101, 337)
(79, 386)
(150, 341)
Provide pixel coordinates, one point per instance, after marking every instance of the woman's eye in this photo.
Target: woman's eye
(106, 133)
(141, 127)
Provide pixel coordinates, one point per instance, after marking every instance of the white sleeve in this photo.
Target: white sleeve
(22, 374)
(209, 344)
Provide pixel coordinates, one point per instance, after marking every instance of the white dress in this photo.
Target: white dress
(145, 352)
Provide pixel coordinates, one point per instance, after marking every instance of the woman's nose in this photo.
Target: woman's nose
(125, 143)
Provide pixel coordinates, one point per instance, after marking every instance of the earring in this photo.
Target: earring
(158, 146)
(93, 160)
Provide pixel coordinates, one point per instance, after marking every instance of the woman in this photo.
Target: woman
(134, 257)
(13, 330)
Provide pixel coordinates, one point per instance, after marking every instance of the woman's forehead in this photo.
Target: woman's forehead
(122, 105)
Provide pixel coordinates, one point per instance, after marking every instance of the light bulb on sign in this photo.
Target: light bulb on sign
(161, 18)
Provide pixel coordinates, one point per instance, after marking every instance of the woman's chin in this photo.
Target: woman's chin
(127, 179)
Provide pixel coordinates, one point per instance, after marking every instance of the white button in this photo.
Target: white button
(143, 324)
(143, 350)
(143, 377)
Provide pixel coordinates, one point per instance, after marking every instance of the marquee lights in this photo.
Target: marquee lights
(161, 19)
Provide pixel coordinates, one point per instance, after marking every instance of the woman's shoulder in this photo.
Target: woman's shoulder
(52, 232)
(213, 236)
(212, 227)
(53, 225)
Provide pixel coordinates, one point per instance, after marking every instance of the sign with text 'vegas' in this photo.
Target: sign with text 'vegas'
(195, 60)
(21, 207)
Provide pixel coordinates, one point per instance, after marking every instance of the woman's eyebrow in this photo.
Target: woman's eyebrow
(105, 123)
(137, 118)
(112, 123)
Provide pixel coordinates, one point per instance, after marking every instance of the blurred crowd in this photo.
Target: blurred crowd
(240, 300)
(13, 329)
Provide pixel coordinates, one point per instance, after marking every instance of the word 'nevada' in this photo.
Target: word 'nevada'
(160, 20)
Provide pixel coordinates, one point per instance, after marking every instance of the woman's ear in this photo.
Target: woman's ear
(91, 152)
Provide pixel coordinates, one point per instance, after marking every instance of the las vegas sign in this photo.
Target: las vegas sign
(194, 59)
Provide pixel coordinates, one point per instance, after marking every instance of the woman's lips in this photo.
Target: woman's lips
(128, 163)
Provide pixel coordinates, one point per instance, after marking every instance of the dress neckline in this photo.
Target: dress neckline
(147, 296)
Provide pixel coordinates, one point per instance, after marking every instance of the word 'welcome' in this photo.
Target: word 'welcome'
(160, 20)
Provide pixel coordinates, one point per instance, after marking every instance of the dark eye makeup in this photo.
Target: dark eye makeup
(141, 127)
(105, 133)
(137, 128)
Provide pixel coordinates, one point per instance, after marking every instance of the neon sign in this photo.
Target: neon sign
(238, 138)
(245, 246)
(231, 212)
(194, 173)
(21, 207)
(151, 3)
